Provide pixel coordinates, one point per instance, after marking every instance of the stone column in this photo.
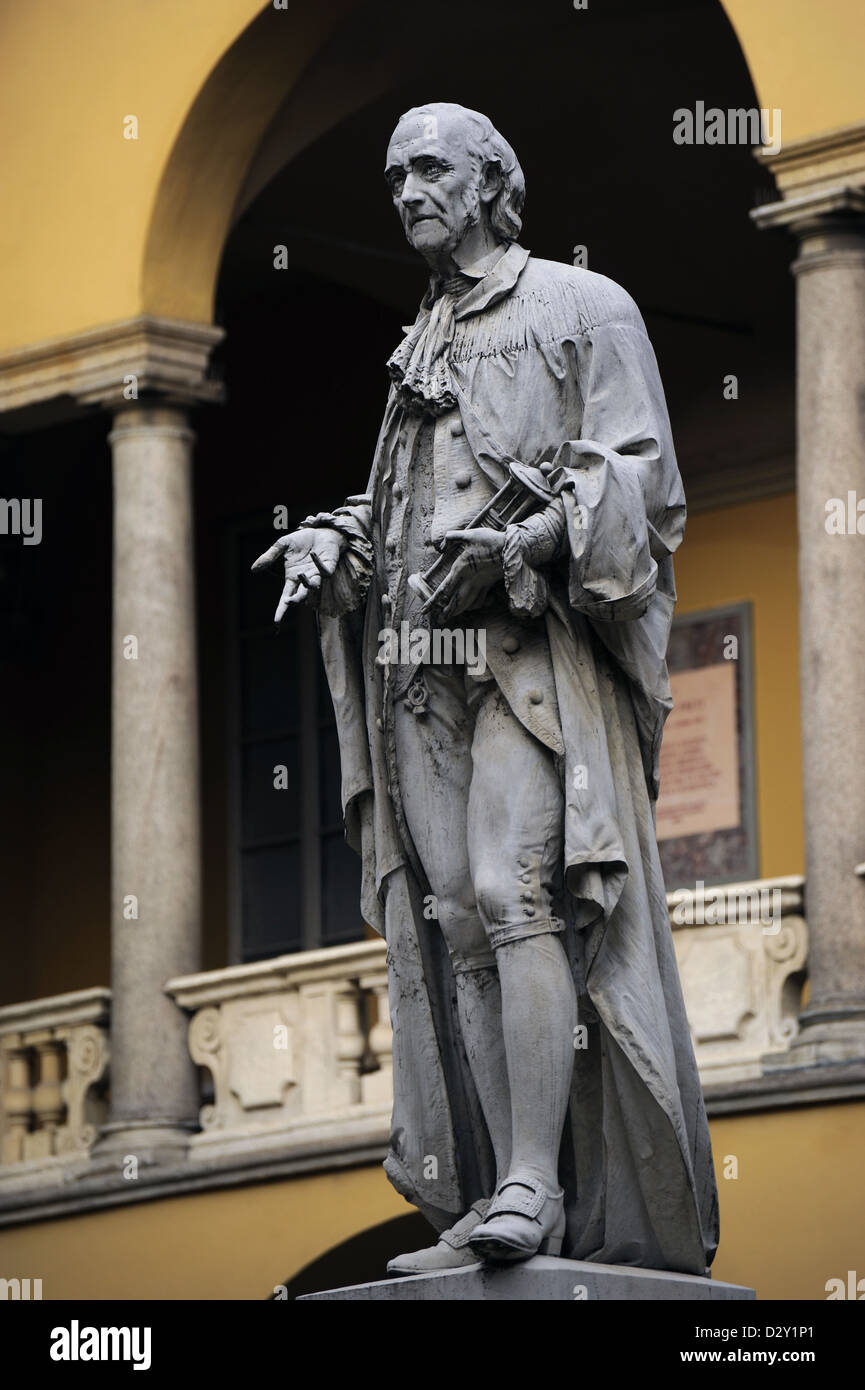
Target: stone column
(156, 874)
(830, 282)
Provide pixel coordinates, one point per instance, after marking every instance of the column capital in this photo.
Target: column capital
(841, 208)
(146, 355)
(821, 180)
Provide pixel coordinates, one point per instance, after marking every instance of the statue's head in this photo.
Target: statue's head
(450, 172)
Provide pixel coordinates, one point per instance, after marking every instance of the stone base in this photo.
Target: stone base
(837, 1042)
(541, 1279)
(151, 1143)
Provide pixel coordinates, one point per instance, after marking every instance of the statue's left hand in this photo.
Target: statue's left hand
(477, 567)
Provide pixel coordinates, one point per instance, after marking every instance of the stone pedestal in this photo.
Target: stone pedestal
(540, 1280)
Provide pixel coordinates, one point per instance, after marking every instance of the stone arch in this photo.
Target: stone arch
(209, 160)
(289, 76)
(361, 1258)
(811, 71)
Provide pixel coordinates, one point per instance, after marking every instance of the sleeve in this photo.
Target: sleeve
(351, 579)
(619, 481)
(529, 545)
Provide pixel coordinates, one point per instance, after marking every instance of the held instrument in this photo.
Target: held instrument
(516, 498)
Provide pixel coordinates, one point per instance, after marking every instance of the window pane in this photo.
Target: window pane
(270, 683)
(340, 891)
(271, 811)
(271, 901)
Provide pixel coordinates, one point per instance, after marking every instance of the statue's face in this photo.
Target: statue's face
(434, 181)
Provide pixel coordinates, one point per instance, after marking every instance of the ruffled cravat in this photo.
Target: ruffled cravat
(419, 366)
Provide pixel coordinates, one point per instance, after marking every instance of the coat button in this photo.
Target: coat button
(530, 911)
(463, 480)
(510, 644)
(523, 862)
(536, 697)
(457, 428)
(525, 878)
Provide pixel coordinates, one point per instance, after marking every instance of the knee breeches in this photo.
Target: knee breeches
(484, 807)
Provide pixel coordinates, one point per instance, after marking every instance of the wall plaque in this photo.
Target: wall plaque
(706, 817)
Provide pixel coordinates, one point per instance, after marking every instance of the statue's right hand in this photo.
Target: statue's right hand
(309, 555)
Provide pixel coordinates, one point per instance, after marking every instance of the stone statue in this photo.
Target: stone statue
(494, 611)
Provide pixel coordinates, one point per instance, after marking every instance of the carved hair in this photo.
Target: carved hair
(485, 143)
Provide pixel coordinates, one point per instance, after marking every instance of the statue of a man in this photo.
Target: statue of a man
(546, 1097)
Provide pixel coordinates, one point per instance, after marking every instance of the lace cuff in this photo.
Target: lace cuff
(529, 544)
(351, 578)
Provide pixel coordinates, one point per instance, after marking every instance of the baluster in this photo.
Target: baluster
(378, 1084)
(16, 1096)
(350, 1041)
(47, 1095)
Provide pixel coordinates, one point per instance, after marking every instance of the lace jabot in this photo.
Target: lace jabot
(420, 366)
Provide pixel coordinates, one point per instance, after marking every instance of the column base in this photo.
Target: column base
(150, 1142)
(542, 1279)
(829, 1037)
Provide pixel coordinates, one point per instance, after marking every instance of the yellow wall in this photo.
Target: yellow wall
(792, 1219)
(749, 552)
(80, 196)
(96, 227)
(804, 58)
(233, 1244)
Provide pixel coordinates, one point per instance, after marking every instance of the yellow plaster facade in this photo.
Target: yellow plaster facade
(748, 553)
(804, 59)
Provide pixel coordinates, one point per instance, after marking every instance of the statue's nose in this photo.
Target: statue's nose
(411, 193)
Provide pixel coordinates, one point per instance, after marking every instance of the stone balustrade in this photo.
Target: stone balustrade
(53, 1062)
(296, 1051)
(299, 1049)
(741, 950)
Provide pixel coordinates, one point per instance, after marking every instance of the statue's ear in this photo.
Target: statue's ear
(491, 180)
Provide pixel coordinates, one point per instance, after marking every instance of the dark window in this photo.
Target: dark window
(295, 884)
